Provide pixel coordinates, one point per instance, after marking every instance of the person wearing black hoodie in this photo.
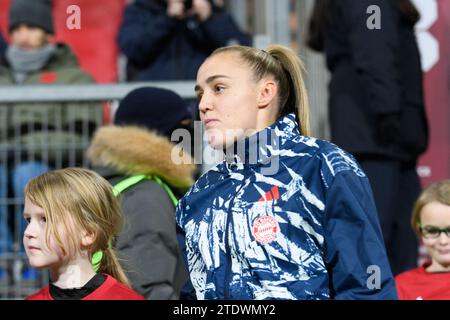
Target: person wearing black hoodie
(167, 40)
(376, 105)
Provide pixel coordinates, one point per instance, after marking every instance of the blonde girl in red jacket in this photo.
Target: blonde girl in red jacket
(73, 216)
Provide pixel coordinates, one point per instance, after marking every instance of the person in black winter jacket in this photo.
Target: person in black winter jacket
(2, 47)
(139, 144)
(166, 40)
(376, 105)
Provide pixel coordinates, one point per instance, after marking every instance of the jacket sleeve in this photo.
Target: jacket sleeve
(373, 52)
(143, 34)
(148, 244)
(187, 291)
(355, 253)
(221, 30)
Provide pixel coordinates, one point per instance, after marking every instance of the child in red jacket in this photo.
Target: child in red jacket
(73, 216)
(431, 221)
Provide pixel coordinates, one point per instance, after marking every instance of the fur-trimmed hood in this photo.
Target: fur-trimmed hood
(132, 150)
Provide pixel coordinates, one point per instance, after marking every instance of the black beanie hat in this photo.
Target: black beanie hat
(36, 13)
(154, 108)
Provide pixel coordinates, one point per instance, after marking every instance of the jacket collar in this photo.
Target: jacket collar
(132, 150)
(262, 147)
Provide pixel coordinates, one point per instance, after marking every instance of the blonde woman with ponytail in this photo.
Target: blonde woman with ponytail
(72, 214)
(284, 215)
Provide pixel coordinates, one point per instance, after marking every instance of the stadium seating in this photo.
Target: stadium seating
(95, 43)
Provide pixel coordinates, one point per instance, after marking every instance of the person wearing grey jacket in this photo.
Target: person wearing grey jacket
(138, 144)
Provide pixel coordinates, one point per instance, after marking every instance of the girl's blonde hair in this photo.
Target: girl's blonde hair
(286, 67)
(75, 201)
(437, 192)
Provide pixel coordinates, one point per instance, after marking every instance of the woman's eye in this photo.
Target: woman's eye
(43, 220)
(28, 220)
(219, 88)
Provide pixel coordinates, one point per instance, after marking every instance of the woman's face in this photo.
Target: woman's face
(228, 97)
(435, 215)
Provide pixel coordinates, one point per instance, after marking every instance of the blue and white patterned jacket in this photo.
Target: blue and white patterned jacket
(308, 231)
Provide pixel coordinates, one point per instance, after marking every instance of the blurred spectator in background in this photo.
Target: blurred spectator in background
(169, 39)
(39, 134)
(135, 156)
(376, 105)
(3, 45)
(431, 222)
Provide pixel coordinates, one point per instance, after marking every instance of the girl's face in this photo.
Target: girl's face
(39, 253)
(434, 216)
(228, 99)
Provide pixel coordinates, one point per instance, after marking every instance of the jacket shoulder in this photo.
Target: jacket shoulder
(143, 196)
(112, 289)
(335, 160)
(122, 292)
(332, 158)
(66, 64)
(407, 275)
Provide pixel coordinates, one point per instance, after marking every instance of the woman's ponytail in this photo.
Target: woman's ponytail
(293, 95)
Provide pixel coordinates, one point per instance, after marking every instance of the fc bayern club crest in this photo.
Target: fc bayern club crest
(265, 229)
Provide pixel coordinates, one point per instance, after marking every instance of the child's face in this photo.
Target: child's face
(437, 215)
(39, 254)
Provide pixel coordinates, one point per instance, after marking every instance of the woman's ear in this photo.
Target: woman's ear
(267, 93)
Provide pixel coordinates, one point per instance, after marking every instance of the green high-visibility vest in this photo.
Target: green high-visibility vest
(131, 181)
(120, 187)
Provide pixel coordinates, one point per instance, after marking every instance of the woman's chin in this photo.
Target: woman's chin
(216, 142)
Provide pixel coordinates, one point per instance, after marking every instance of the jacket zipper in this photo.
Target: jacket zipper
(228, 252)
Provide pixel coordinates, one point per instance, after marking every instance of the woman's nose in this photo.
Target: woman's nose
(205, 103)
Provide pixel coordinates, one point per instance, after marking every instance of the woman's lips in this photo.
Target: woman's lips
(210, 122)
